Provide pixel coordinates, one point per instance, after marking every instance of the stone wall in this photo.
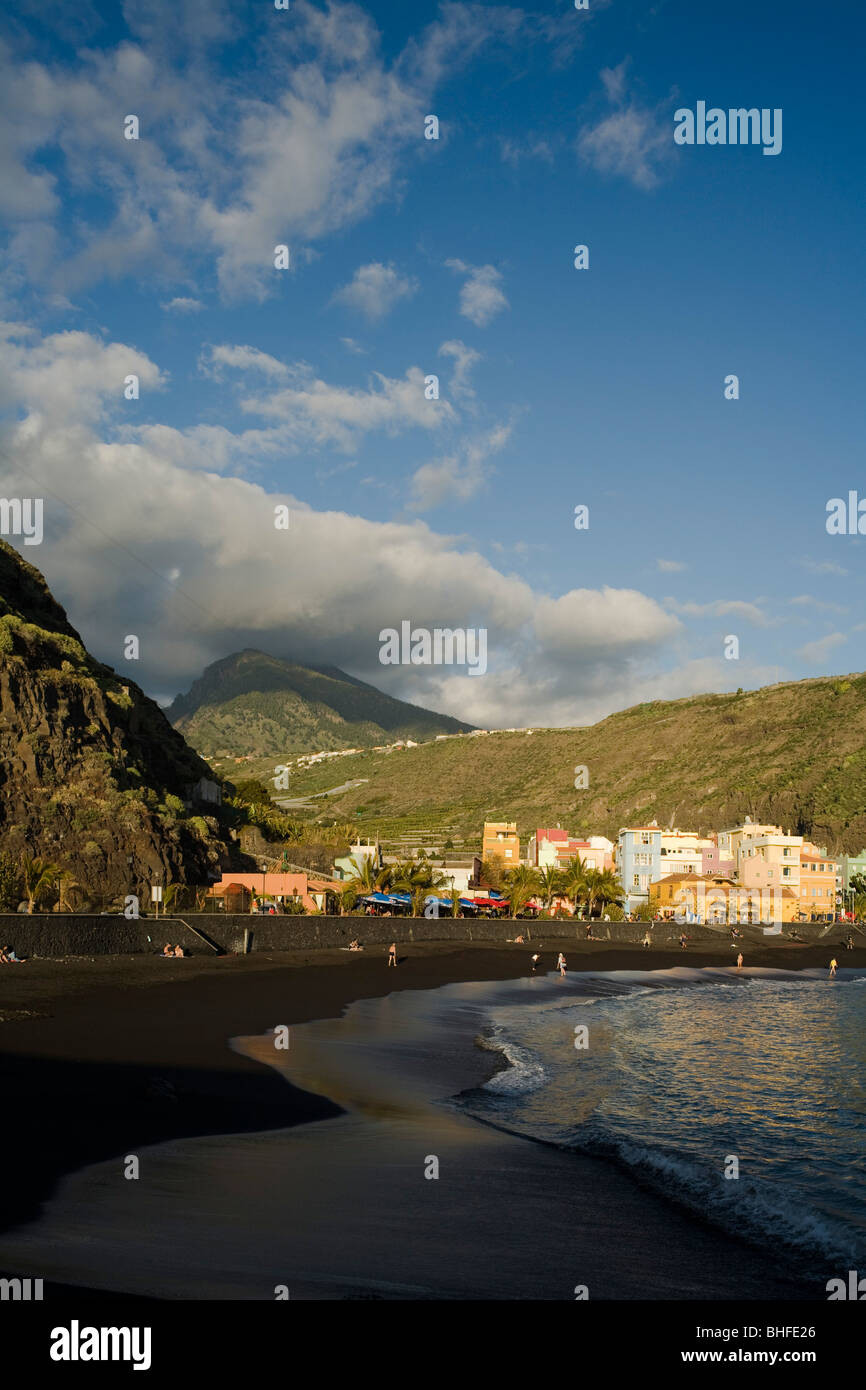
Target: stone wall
(54, 935)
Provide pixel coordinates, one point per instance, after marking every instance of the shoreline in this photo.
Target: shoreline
(120, 1054)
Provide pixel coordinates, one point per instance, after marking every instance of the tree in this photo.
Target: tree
(858, 883)
(608, 889)
(492, 873)
(520, 884)
(38, 874)
(574, 882)
(367, 878)
(550, 884)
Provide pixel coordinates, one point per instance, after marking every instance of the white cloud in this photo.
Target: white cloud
(325, 414)
(721, 608)
(631, 142)
(670, 566)
(182, 305)
(816, 653)
(807, 601)
(243, 358)
(375, 288)
(823, 567)
(143, 503)
(226, 166)
(465, 359)
(481, 299)
(460, 475)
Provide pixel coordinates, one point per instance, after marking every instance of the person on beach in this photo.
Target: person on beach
(833, 965)
(535, 959)
(168, 949)
(647, 939)
(740, 961)
(8, 956)
(178, 951)
(392, 954)
(561, 965)
(683, 941)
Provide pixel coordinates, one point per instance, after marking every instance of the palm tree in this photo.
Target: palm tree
(169, 896)
(367, 878)
(608, 888)
(574, 882)
(39, 874)
(550, 884)
(522, 881)
(592, 881)
(65, 882)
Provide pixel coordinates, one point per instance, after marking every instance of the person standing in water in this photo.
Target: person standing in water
(392, 954)
(535, 959)
(647, 939)
(833, 965)
(740, 961)
(561, 963)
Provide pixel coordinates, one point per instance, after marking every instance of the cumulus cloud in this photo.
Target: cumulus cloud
(227, 165)
(143, 534)
(481, 298)
(375, 288)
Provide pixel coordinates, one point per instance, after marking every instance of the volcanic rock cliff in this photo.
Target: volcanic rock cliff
(92, 775)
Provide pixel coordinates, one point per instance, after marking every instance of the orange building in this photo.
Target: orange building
(501, 841)
(817, 887)
(278, 888)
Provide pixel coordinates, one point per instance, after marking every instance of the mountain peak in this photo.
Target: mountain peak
(255, 704)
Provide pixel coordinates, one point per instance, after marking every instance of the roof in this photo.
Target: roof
(817, 859)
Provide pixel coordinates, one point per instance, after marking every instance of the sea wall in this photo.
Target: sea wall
(52, 935)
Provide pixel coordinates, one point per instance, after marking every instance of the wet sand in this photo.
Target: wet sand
(101, 1058)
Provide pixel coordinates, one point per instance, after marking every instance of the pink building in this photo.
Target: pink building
(713, 862)
(555, 848)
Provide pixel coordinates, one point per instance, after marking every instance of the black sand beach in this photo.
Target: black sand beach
(103, 1057)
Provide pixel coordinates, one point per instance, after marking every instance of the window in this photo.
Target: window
(785, 852)
(635, 883)
(786, 873)
(508, 853)
(769, 873)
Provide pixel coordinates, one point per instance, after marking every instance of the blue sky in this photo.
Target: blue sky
(408, 257)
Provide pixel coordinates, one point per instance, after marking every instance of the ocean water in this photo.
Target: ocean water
(687, 1069)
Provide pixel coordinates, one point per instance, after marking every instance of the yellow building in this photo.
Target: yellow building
(501, 841)
(710, 898)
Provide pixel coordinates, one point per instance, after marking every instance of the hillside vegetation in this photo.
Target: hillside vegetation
(792, 754)
(92, 776)
(252, 704)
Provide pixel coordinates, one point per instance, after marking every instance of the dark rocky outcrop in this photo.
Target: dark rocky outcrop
(92, 774)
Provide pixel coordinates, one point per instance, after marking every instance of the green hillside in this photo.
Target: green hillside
(252, 704)
(793, 754)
